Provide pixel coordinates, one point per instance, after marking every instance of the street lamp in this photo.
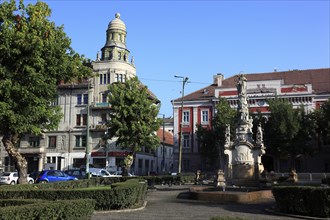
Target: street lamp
(163, 164)
(184, 81)
(87, 135)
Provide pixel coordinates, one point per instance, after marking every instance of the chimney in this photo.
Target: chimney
(217, 79)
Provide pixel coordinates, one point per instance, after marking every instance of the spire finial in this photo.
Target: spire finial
(117, 15)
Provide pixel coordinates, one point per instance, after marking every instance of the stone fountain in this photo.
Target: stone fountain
(244, 165)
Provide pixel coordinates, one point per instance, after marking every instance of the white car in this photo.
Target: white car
(99, 172)
(10, 178)
(120, 173)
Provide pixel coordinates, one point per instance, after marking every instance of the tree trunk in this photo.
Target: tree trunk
(9, 141)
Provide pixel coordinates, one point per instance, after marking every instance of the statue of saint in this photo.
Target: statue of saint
(98, 56)
(259, 138)
(227, 135)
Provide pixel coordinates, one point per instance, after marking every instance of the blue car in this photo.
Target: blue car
(50, 176)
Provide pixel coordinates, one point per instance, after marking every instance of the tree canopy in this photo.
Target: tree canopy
(35, 57)
(212, 139)
(289, 131)
(133, 118)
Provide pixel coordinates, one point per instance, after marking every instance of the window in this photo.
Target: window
(81, 119)
(185, 117)
(34, 141)
(104, 78)
(81, 140)
(140, 162)
(84, 116)
(52, 142)
(82, 99)
(78, 120)
(120, 77)
(104, 118)
(205, 116)
(104, 97)
(186, 141)
(85, 99)
(108, 78)
(79, 99)
(78, 162)
(101, 79)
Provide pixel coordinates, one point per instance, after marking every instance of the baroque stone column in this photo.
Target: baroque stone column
(244, 154)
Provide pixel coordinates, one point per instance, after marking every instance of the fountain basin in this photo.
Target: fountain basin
(230, 195)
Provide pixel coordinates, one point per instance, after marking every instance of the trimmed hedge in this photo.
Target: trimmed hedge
(169, 179)
(326, 181)
(303, 200)
(41, 209)
(120, 195)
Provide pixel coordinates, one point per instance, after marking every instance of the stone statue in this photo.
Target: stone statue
(293, 176)
(220, 181)
(132, 60)
(98, 56)
(259, 138)
(242, 97)
(227, 135)
(197, 177)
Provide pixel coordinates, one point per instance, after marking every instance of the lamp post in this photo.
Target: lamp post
(87, 135)
(184, 81)
(163, 167)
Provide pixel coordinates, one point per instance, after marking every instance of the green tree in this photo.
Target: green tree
(212, 140)
(289, 132)
(321, 117)
(207, 147)
(35, 57)
(133, 118)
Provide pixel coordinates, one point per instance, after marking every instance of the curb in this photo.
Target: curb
(122, 210)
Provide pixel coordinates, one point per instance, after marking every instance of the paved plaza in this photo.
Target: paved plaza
(164, 204)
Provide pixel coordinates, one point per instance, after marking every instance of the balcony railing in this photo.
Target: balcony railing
(101, 127)
(100, 105)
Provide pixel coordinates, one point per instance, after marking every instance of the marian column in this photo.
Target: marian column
(244, 154)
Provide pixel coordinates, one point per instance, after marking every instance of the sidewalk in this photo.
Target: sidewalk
(163, 204)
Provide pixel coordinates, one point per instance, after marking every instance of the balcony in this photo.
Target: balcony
(101, 127)
(100, 105)
(31, 150)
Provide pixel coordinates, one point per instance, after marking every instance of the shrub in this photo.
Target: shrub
(303, 200)
(119, 195)
(40, 209)
(326, 181)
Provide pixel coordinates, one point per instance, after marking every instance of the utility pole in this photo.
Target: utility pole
(184, 81)
(87, 135)
(163, 144)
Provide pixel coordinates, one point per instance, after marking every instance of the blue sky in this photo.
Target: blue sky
(199, 39)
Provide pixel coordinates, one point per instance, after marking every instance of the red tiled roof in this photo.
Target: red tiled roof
(319, 78)
(168, 137)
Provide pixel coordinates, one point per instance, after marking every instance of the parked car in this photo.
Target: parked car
(49, 176)
(99, 172)
(80, 174)
(10, 178)
(34, 175)
(120, 173)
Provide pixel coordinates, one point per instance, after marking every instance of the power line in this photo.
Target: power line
(161, 80)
